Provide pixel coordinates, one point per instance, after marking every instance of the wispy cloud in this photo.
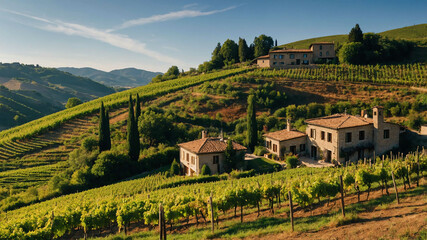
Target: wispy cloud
(168, 17)
(117, 40)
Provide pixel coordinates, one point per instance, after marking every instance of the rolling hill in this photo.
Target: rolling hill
(417, 33)
(124, 78)
(29, 92)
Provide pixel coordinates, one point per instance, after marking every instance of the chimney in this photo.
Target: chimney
(364, 114)
(204, 134)
(288, 124)
(221, 136)
(378, 116)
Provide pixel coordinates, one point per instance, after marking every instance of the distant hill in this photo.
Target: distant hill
(28, 92)
(417, 33)
(125, 78)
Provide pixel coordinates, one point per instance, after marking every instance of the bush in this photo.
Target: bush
(260, 150)
(111, 166)
(236, 174)
(90, 144)
(291, 161)
(205, 170)
(72, 102)
(175, 168)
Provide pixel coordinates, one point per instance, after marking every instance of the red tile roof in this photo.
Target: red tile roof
(338, 121)
(209, 145)
(292, 51)
(322, 43)
(265, 56)
(284, 135)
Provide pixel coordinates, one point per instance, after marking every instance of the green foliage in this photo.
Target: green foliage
(252, 129)
(137, 107)
(111, 166)
(72, 102)
(260, 150)
(205, 171)
(356, 34)
(230, 158)
(291, 161)
(104, 141)
(229, 52)
(156, 127)
(262, 44)
(243, 50)
(132, 134)
(175, 168)
(352, 53)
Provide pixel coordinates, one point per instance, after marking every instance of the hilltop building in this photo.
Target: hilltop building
(205, 151)
(321, 51)
(340, 137)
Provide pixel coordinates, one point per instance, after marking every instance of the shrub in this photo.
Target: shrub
(175, 168)
(260, 150)
(90, 144)
(236, 174)
(291, 161)
(110, 166)
(205, 170)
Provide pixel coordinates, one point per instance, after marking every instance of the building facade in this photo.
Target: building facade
(286, 141)
(207, 151)
(343, 137)
(281, 58)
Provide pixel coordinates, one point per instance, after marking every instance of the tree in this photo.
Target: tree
(252, 129)
(216, 51)
(262, 45)
(243, 50)
(175, 168)
(230, 160)
(72, 102)
(205, 170)
(291, 162)
(132, 134)
(137, 107)
(356, 34)
(275, 43)
(104, 142)
(351, 53)
(230, 52)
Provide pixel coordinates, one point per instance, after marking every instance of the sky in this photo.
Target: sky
(154, 35)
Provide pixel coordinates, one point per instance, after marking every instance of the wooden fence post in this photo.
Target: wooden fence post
(291, 210)
(418, 170)
(212, 213)
(161, 221)
(342, 196)
(395, 188)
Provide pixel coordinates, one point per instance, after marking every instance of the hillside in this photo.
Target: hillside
(416, 33)
(124, 78)
(29, 92)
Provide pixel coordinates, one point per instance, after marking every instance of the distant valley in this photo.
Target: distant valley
(120, 78)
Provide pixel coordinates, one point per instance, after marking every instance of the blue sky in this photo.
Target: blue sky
(154, 35)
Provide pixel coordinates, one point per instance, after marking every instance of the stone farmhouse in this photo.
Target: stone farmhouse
(340, 137)
(205, 151)
(323, 51)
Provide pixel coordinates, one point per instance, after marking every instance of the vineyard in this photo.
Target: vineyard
(410, 75)
(138, 200)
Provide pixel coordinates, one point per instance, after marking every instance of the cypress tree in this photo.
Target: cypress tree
(356, 34)
(137, 107)
(243, 50)
(104, 130)
(132, 134)
(107, 130)
(252, 129)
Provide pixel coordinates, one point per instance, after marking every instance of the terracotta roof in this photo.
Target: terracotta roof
(284, 134)
(292, 51)
(209, 145)
(338, 121)
(265, 56)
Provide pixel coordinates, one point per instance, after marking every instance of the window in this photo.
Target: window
(274, 148)
(386, 134)
(361, 135)
(320, 54)
(268, 144)
(291, 56)
(281, 56)
(320, 47)
(302, 147)
(215, 159)
(305, 61)
(188, 157)
(348, 137)
(322, 135)
(274, 56)
(329, 137)
(304, 55)
(327, 53)
(274, 63)
(193, 160)
(313, 133)
(282, 63)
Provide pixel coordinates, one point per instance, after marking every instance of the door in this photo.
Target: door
(298, 61)
(293, 149)
(360, 154)
(313, 152)
(328, 156)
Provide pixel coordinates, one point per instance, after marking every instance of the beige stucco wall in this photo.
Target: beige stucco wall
(185, 160)
(283, 147)
(384, 145)
(355, 141)
(264, 62)
(328, 51)
(423, 130)
(287, 60)
(322, 145)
